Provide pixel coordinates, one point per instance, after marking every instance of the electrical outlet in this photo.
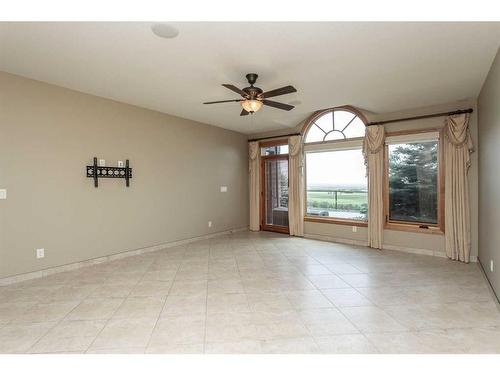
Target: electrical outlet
(210, 224)
(223, 189)
(102, 163)
(3, 193)
(354, 228)
(40, 253)
(492, 269)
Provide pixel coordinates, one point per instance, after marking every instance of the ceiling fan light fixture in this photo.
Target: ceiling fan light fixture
(254, 97)
(251, 105)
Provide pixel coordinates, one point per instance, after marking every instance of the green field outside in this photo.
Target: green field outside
(352, 200)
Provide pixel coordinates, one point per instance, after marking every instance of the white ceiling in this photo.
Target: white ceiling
(381, 67)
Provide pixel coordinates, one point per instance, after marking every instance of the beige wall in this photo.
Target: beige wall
(418, 242)
(47, 136)
(489, 178)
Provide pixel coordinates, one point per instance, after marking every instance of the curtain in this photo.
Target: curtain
(295, 186)
(373, 151)
(254, 188)
(457, 148)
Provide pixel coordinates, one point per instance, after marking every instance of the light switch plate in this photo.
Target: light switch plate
(120, 163)
(3, 193)
(354, 228)
(40, 253)
(223, 189)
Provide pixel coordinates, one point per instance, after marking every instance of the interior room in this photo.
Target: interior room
(165, 189)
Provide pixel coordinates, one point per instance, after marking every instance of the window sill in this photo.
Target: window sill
(413, 228)
(319, 219)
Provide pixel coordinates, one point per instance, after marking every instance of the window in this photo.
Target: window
(413, 183)
(274, 150)
(336, 183)
(337, 124)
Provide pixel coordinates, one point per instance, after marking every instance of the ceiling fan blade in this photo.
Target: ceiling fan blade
(243, 113)
(235, 89)
(224, 101)
(278, 105)
(280, 91)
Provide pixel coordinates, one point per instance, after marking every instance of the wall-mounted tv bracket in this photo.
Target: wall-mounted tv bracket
(96, 172)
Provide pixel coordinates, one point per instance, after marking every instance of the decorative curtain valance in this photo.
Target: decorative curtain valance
(253, 178)
(458, 146)
(457, 131)
(253, 150)
(296, 186)
(373, 151)
(374, 139)
(294, 145)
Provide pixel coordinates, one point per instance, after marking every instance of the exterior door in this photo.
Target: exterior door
(274, 193)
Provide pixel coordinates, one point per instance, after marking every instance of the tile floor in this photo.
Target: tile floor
(255, 293)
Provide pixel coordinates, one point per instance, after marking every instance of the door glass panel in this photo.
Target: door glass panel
(274, 150)
(276, 192)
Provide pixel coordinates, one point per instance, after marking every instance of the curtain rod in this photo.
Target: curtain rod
(276, 136)
(458, 112)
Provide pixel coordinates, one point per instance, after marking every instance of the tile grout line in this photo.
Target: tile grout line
(111, 317)
(164, 303)
(355, 325)
(407, 330)
(376, 305)
(332, 303)
(360, 331)
(277, 271)
(206, 302)
(311, 336)
(56, 324)
(258, 339)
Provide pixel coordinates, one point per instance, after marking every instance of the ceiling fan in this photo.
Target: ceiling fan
(255, 97)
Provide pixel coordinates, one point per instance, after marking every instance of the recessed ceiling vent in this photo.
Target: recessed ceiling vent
(164, 30)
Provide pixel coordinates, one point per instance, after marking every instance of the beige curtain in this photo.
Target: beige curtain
(254, 188)
(457, 149)
(373, 150)
(295, 186)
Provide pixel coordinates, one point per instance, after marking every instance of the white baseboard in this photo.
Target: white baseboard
(125, 254)
(412, 250)
(403, 249)
(335, 239)
(490, 286)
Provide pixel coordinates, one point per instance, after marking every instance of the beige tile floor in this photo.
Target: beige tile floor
(255, 293)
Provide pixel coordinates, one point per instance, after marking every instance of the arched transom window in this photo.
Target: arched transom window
(334, 124)
(336, 184)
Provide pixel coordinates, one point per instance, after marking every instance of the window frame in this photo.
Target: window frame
(262, 178)
(411, 226)
(323, 219)
(272, 143)
(316, 115)
(354, 143)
